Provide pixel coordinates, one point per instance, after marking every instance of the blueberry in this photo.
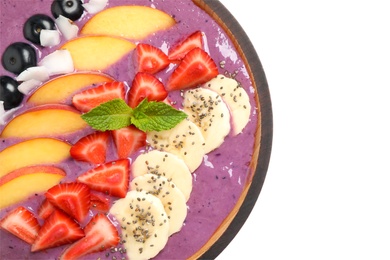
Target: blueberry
(19, 56)
(9, 92)
(71, 9)
(35, 24)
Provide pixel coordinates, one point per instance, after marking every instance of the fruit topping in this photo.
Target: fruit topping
(145, 85)
(127, 140)
(19, 56)
(35, 24)
(58, 229)
(197, 67)
(45, 209)
(111, 178)
(73, 198)
(178, 51)
(150, 59)
(91, 148)
(21, 223)
(100, 235)
(9, 92)
(100, 201)
(71, 9)
(93, 97)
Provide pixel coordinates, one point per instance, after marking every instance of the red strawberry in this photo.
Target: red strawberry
(73, 198)
(58, 229)
(147, 86)
(150, 59)
(99, 201)
(21, 223)
(178, 51)
(127, 140)
(100, 234)
(196, 68)
(45, 210)
(110, 178)
(91, 148)
(90, 98)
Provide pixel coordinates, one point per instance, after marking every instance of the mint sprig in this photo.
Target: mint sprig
(147, 116)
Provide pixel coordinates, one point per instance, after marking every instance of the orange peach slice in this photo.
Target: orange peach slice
(45, 120)
(97, 52)
(131, 22)
(58, 90)
(20, 184)
(33, 152)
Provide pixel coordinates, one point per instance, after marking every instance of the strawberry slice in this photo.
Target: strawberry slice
(91, 148)
(45, 210)
(58, 229)
(90, 98)
(150, 59)
(196, 68)
(178, 51)
(73, 198)
(21, 223)
(110, 178)
(127, 140)
(100, 234)
(99, 201)
(145, 85)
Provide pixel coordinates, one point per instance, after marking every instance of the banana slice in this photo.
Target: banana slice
(144, 222)
(208, 111)
(235, 97)
(165, 164)
(184, 140)
(170, 195)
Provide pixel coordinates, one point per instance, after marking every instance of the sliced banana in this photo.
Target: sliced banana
(170, 195)
(144, 223)
(208, 111)
(184, 140)
(235, 97)
(165, 164)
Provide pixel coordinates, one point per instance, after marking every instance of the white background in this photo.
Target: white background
(327, 191)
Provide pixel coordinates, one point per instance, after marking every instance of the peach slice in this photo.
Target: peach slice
(45, 120)
(32, 152)
(58, 90)
(97, 52)
(20, 184)
(131, 22)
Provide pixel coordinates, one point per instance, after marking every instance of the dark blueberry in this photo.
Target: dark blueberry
(9, 92)
(19, 56)
(35, 24)
(71, 9)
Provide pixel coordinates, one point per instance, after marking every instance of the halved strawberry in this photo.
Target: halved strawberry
(90, 98)
(91, 148)
(196, 68)
(110, 178)
(100, 234)
(45, 210)
(145, 85)
(100, 201)
(73, 198)
(178, 51)
(21, 223)
(58, 229)
(150, 59)
(127, 140)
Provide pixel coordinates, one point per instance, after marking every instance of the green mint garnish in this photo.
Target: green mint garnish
(147, 116)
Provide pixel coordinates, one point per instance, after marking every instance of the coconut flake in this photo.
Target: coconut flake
(58, 62)
(27, 86)
(49, 37)
(39, 73)
(95, 6)
(68, 29)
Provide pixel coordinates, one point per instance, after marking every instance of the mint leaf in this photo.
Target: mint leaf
(111, 115)
(156, 116)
